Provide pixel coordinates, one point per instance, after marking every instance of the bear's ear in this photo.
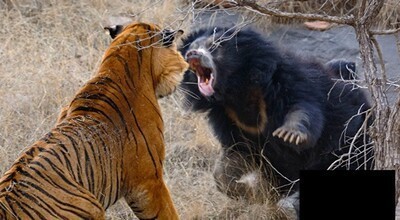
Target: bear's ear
(114, 30)
(342, 68)
(169, 36)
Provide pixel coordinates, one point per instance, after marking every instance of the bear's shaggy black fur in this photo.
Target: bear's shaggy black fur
(273, 109)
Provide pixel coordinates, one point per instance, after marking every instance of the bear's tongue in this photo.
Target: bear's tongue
(205, 77)
(205, 85)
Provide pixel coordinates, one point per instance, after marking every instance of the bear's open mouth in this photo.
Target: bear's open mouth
(205, 76)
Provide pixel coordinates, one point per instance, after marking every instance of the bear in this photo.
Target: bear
(341, 69)
(273, 111)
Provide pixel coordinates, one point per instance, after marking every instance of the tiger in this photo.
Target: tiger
(108, 142)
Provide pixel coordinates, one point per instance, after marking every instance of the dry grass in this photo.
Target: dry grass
(49, 48)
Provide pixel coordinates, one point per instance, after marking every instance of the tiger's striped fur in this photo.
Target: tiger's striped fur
(108, 143)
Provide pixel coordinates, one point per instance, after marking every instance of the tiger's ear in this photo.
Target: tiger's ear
(114, 30)
(169, 36)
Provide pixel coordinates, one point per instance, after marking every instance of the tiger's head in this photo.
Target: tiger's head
(166, 64)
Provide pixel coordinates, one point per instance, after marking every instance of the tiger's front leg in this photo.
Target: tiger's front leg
(152, 200)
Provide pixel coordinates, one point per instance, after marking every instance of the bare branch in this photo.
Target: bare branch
(398, 42)
(384, 32)
(371, 11)
(380, 56)
(253, 6)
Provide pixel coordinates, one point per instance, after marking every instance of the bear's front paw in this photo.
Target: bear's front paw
(290, 135)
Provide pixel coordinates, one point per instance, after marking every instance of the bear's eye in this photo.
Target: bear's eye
(212, 43)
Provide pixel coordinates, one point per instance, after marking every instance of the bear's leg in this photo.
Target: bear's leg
(302, 125)
(240, 176)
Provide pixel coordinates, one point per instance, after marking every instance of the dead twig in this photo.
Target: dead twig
(253, 6)
(385, 32)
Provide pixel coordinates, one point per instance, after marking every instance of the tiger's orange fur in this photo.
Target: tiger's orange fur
(107, 144)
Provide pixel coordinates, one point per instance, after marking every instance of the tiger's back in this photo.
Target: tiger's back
(40, 185)
(108, 143)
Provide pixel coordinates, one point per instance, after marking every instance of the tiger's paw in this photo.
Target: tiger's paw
(291, 135)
